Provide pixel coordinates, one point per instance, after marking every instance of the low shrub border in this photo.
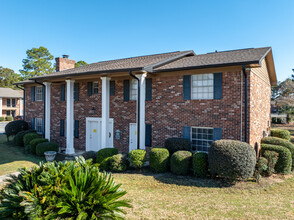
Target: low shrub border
(284, 163)
(280, 142)
(46, 146)
(27, 138)
(12, 128)
(175, 144)
(18, 139)
(200, 164)
(180, 162)
(284, 134)
(137, 158)
(104, 153)
(35, 142)
(159, 158)
(118, 163)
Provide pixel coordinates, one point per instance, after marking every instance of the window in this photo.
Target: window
(202, 86)
(13, 103)
(39, 93)
(8, 113)
(39, 125)
(8, 102)
(95, 87)
(133, 89)
(201, 138)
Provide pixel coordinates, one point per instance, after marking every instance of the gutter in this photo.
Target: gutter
(138, 108)
(44, 89)
(24, 100)
(246, 103)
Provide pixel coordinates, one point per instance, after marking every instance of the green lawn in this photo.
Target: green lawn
(12, 157)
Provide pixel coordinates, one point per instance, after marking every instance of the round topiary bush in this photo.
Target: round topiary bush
(158, 158)
(284, 163)
(104, 153)
(2, 118)
(46, 146)
(175, 144)
(35, 142)
(280, 142)
(231, 159)
(200, 164)
(27, 138)
(90, 155)
(284, 134)
(137, 158)
(12, 128)
(180, 162)
(118, 163)
(9, 118)
(18, 138)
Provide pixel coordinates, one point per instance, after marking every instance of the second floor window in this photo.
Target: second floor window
(133, 89)
(202, 86)
(39, 93)
(95, 87)
(8, 103)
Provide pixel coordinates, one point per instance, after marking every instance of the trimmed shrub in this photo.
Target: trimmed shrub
(175, 144)
(105, 165)
(180, 162)
(9, 118)
(46, 146)
(280, 142)
(118, 163)
(200, 164)
(12, 128)
(231, 159)
(27, 138)
(137, 158)
(284, 134)
(159, 158)
(261, 165)
(90, 155)
(104, 153)
(35, 142)
(284, 163)
(2, 118)
(272, 158)
(18, 138)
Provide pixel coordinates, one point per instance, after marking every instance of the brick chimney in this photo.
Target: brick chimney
(63, 63)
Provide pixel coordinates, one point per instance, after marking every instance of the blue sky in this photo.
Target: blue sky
(101, 30)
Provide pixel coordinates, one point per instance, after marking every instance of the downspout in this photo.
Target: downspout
(44, 96)
(138, 109)
(246, 103)
(24, 101)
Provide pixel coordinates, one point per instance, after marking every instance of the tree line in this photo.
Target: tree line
(38, 62)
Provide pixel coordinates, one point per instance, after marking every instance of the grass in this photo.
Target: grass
(12, 157)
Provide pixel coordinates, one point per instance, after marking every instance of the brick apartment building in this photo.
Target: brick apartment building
(11, 102)
(204, 97)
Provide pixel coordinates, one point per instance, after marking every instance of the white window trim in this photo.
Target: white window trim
(10, 103)
(93, 87)
(38, 93)
(133, 96)
(202, 87)
(203, 139)
(37, 119)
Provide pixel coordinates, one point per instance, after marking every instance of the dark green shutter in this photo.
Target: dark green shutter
(32, 123)
(126, 90)
(33, 93)
(149, 89)
(62, 127)
(76, 129)
(217, 83)
(76, 91)
(187, 87)
(148, 131)
(89, 88)
(62, 92)
(187, 132)
(217, 134)
(112, 87)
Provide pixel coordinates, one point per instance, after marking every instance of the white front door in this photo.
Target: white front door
(133, 137)
(94, 132)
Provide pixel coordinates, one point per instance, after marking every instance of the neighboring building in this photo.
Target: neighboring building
(206, 97)
(11, 102)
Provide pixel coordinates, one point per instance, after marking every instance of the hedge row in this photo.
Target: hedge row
(284, 134)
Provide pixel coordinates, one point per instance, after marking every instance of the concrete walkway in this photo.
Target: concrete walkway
(2, 127)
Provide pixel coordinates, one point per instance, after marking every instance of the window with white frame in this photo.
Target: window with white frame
(39, 125)
(95, 87)
(8, 102)
(39, 93)
(202, 86)
(201, 138)
(8, 113)
(133, 89)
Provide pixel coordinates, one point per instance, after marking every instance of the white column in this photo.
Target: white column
(70, 117)
(105, 112)
(0, 107)
(47, 109)
(142, 78)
